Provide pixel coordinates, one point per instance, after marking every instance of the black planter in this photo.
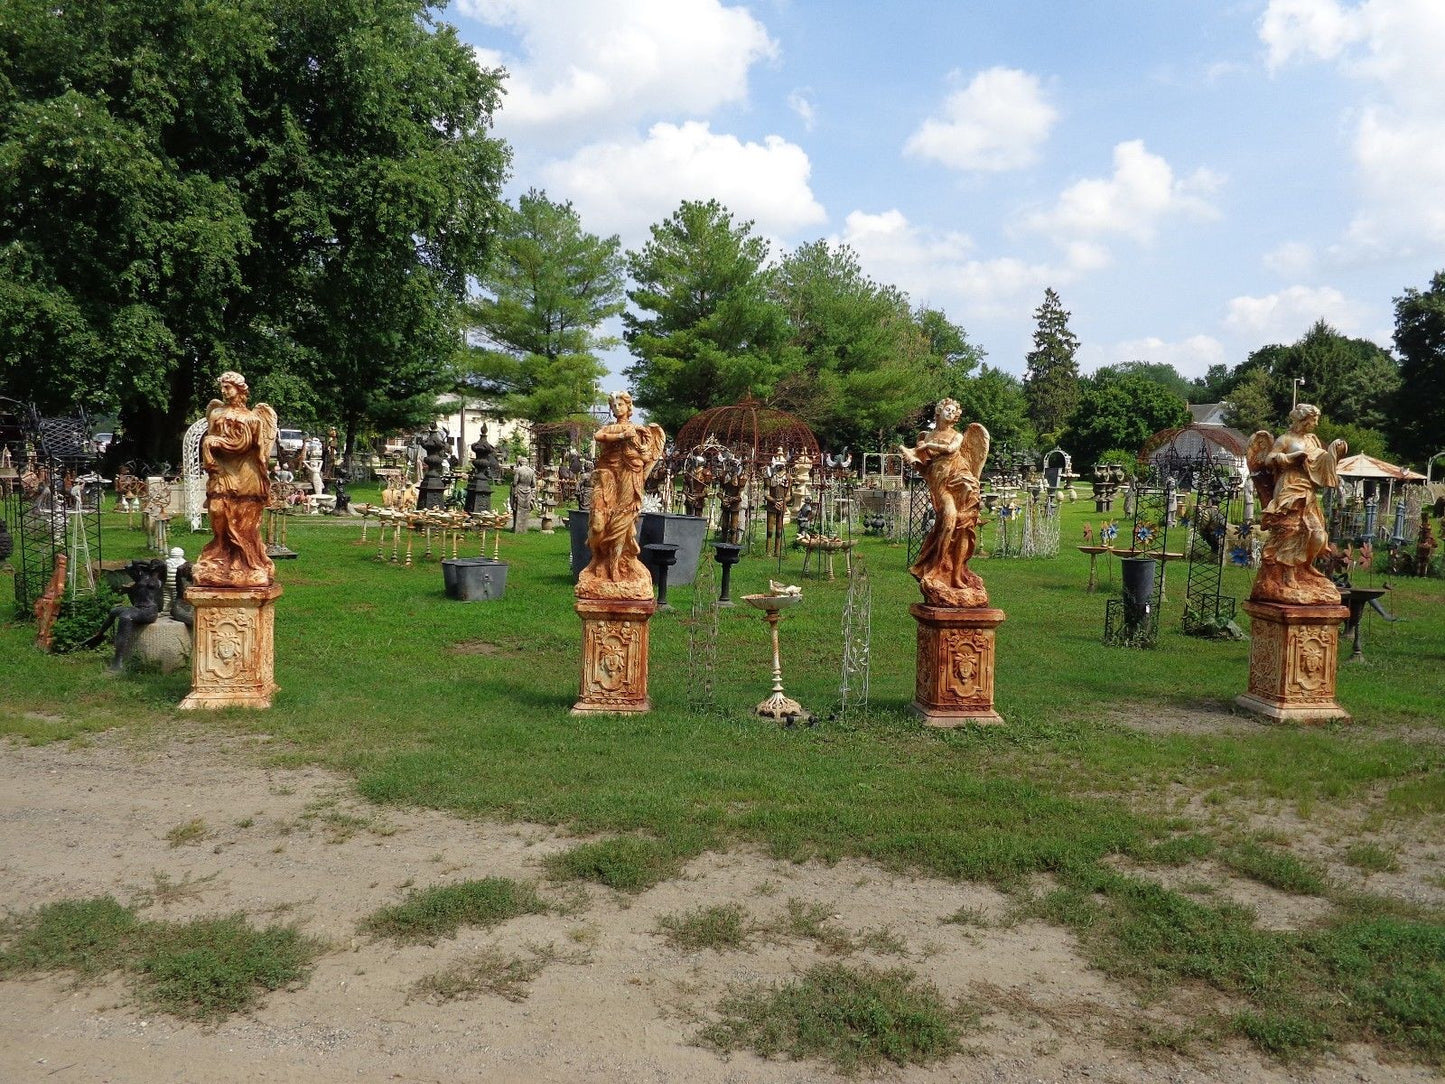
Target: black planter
(687, 533)
(577, 523)
(1138, 576)
(474, 579)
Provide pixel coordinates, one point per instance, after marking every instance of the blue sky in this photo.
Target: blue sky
(1196, 179)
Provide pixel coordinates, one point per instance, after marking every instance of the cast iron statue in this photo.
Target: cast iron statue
(1288, 474)
(626, 453)
(146, 592)
(233, 455)
(950, 462)
(731, 483)
(775, 504)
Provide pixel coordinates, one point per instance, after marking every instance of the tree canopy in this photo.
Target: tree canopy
(297, 188)
(1121, 411)
(705, 330)
(1420, 338)
(1051, 382)
(547, 289)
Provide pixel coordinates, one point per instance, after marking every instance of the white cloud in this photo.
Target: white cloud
(625, 185)
(1291, 260)
(1284, 316)
(1392, 48)
(1142, 193)
(940, 268)
(799, 103)
(998, 122)
(586, 63)
(1316, 28)
(1190, 357)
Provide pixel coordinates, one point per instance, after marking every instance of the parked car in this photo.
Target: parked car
(290, 441)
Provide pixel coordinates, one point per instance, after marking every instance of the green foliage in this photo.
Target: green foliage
(210, 968)
(1051, 383)
(857, 360)
(1128, 460)
(705, 332)
(1419, 407)
(550, 285)
(428, 914)
(1276, 868)
(203, 970)
(1357, 437)
(1212, 387)
(297, 186)
(1159, 372)
(627, 863)
(81, 616)
(722, 926)
(1352, 381)
(855, 1017)
(995, 399)
(1121, 412)
(1251, 403)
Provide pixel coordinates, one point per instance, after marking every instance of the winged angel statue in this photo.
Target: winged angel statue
(233, 454)
(950, 462)
(1289, 472)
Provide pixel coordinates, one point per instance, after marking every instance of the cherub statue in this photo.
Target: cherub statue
(146, 593)
(950, 462)
(1288, 472)
(626, 454)
(233, 455)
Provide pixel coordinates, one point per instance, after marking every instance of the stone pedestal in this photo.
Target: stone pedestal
(955, 664)
(614, 656)
(1293, 655)
(233, 657)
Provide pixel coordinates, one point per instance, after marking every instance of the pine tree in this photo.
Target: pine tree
(1051, 383)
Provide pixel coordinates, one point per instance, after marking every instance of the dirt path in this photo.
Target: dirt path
(620, 1005)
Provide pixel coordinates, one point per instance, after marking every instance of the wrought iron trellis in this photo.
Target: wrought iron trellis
(53, 504)
(857, 640)
(1135, 622)
(1216, 487)
(918, 507)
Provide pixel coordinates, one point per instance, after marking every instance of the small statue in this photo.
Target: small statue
(950, 462)
(233, 455)
(730, 498)
(694, 485)
(146, 594)
(584, 484)
(524, 487)
(1425, 546)
(1289, 472)
(626, 454)
(775, 504)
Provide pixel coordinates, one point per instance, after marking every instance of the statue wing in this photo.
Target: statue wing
(1255, 454)
(653, 441)
(268, 428)
(975, 448)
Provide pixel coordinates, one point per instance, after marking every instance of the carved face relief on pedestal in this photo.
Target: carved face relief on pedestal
(229, 644)
(612, 646)
(1311, 664)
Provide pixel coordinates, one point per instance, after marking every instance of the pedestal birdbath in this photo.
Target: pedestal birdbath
(778, 706)
(659, 557)
(727, 555)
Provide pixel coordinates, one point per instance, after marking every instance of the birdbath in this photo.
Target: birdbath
(778, 707)
(660, 556)
(727, 555)
(1357, 598)
(1093, 552)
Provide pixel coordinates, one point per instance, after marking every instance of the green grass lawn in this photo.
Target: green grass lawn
(464, 707)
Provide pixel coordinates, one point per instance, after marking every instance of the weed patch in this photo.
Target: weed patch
(202, 970)
(433, 913)
(627, 863)
(854, 1017)
(720, 928)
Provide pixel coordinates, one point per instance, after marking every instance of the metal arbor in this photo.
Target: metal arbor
(53, 503)
(1216, 486)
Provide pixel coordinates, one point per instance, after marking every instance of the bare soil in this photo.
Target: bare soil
(619, 1003)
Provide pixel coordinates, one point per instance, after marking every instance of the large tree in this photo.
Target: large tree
(297, 188)
(1122, 412)
(996, 399)
(858, 360)
(1160, 372)
(1419, 407)
(704, 331)
(1051, 382)
(1351, 380)
(547, 290)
